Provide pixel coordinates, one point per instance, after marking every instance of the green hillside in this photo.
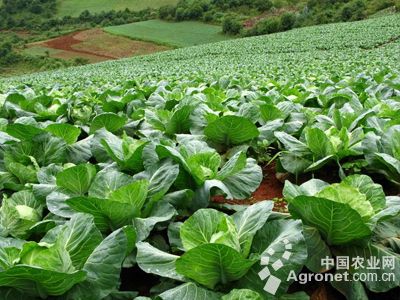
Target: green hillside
(75, 7)
(338, 48)
(182, 34)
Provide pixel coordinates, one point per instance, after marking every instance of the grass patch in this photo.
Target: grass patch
(182, 34)
(76, 7)
(40, 51)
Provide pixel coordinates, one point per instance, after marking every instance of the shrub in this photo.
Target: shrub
(288, 20)
(208, 16)
(269, 25)
(231, 25)
(79, 61)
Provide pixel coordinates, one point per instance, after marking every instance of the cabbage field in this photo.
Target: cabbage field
(136, 179)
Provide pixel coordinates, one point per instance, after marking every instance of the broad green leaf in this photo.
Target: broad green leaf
(180, 120)
(133, 194)
(161, 177)
(351, 289)
(161, 212)
(308, 188)
(249, 221)
(80, 152)
(282, 250)
(292, 144)
(19, 213)
(294, 163)
(203, 193)
(126, 153)
(101, 138)
(318, 142)
(67, 132)
(245, 182)
(40, 282)
(337, 222)
(368, 254)
(77, 179)
(189, 291)
(107, 214)
(231, 130)
(8, 257)
(79, 236)
(249, 111)
(47, 257)
(106, 182)
(316, 249)
(347, 194)
(103, 266)
(210, 264)
(374, 192)
(234, 165)
(392, 165)
(203, 166)
(23, 131)
(25, 174)
(209, 226)
(319, 163)
(391, 210)
(270, 112)
(196, 157)
(242, 294)
(110, 121)
(154, 261)
(49, 149)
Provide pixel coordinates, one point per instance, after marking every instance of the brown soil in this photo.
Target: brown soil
(67, 42)
(97, 45)
(269, 189)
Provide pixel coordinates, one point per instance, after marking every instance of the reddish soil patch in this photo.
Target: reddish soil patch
(269, 189)
(97, 45)
(66, 42)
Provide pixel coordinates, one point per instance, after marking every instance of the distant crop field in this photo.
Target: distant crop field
(182, 34)
(75, 7)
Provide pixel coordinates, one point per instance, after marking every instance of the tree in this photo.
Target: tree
(194, 12)
(166, 12)
(354, 10)
(180, 14)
